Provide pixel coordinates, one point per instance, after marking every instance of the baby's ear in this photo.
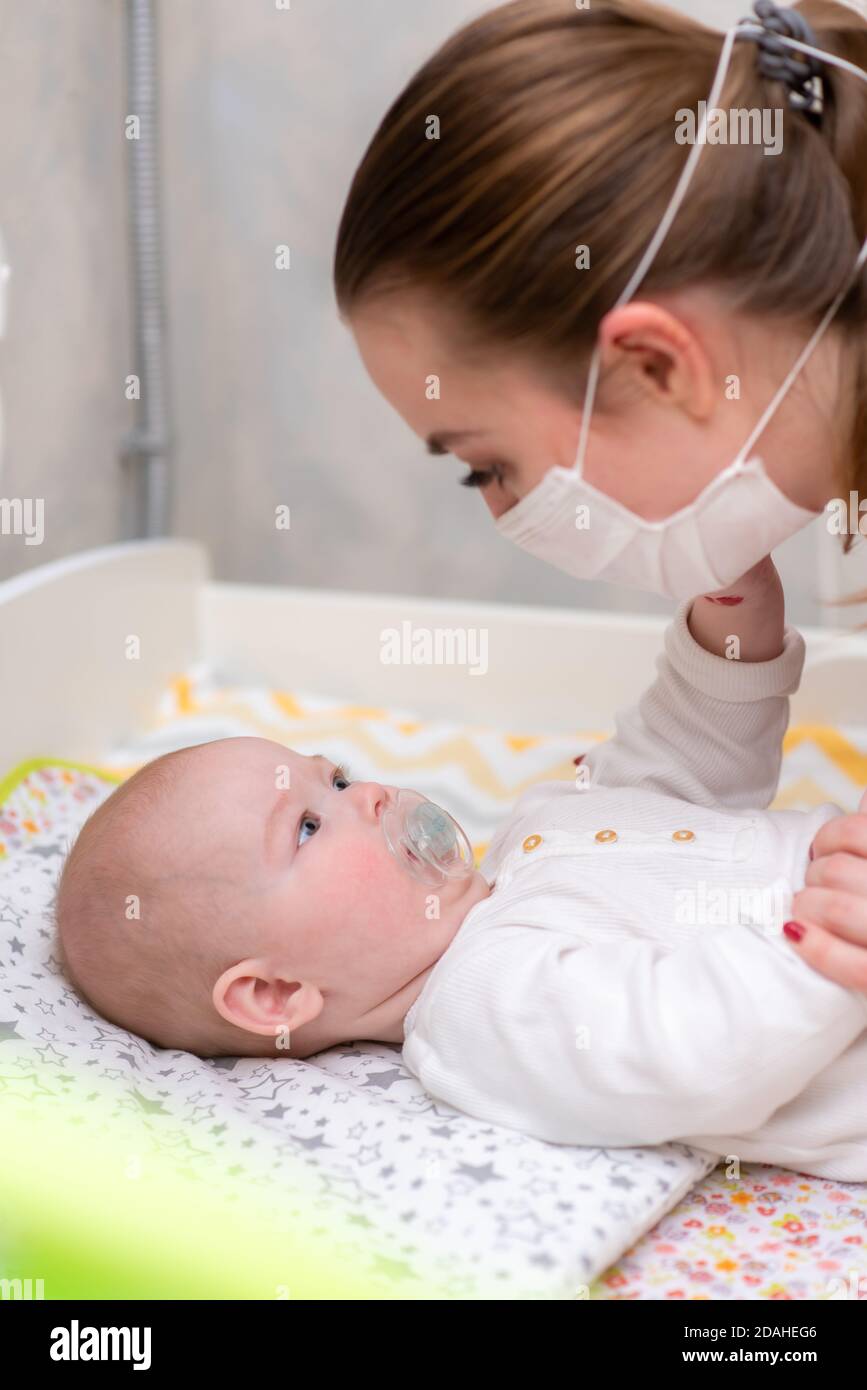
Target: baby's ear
(249, 996)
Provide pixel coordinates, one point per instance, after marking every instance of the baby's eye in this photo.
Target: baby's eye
(340, 779)
(308, 826)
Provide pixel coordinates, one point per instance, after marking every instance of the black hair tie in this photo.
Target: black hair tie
(779, 63)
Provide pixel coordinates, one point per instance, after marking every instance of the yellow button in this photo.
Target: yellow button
(532, 842)
(605, 836)
(683, 835)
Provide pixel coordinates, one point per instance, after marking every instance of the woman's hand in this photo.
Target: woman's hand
(746, 621)
(830, 911)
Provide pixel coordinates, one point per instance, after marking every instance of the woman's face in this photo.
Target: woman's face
(683, 382)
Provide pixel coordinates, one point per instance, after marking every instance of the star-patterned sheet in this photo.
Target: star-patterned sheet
(473, 1210)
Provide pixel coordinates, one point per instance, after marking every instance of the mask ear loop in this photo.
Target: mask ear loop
(659, 235)
(738, 31)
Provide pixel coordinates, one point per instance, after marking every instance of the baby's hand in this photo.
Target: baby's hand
(746, 621)
(759, 585)
(831, 908)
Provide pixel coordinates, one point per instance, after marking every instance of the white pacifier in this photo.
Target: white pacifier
(426, 840)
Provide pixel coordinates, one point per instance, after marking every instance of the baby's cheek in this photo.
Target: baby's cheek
(372, 878)
(363, 863)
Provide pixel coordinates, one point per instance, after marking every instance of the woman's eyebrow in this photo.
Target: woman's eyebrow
(440, 442)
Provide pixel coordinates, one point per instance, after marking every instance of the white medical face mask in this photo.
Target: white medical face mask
(735, 521)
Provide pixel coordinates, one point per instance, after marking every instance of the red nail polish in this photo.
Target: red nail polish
(794, 931)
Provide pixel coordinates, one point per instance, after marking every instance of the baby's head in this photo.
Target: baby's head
(237, 898)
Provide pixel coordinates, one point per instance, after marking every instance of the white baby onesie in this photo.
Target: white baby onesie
(627, 981)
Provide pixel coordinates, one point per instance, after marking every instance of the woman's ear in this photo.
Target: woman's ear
(657, 355)
(251, 996)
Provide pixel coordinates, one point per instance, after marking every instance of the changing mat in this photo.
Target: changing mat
(442, 1202)
(424, 1201)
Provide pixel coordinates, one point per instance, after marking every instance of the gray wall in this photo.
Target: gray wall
(265, 116)
(63, 217)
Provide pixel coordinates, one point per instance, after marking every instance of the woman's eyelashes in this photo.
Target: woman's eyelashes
(481, 477)
(310, 822)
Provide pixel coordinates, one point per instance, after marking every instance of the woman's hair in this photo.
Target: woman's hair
(556, 130)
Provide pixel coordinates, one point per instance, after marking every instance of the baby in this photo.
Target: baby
(238, 898)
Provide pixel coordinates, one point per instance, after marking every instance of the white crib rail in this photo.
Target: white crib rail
(71, 682)
(73, 687)
(549, 669)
